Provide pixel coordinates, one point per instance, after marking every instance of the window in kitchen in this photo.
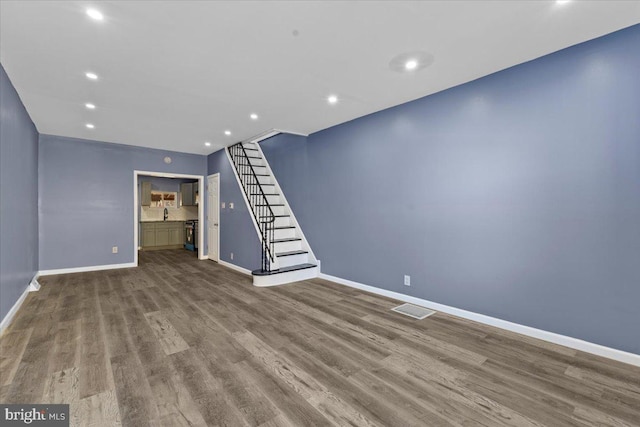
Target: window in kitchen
(164, 199)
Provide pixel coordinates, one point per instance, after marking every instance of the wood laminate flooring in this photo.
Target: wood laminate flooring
(181, 342)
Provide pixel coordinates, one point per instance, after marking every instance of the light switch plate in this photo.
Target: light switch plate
(223, 205)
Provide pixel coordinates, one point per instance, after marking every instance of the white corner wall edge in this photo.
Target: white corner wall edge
(31, 287)
(234, 267)
(577, 344)
(85, 269)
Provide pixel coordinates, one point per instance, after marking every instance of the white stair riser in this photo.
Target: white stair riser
(286, 261)
(282, 278)
(295, 245)
(257, 197)
(284, 234)
(256, 162)
(265, 180)
(268, 189)
(278, 210)
(259, 170)
(273, 199)
(248, 179)
(282, 221)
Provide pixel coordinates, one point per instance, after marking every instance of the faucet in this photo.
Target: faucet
(166, 214)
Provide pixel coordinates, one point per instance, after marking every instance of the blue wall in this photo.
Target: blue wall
(18, 196)
(86, 198)
(516, 195)
(237, 233)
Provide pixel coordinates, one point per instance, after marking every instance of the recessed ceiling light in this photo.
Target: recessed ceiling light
(332, 99)
(92, 76)
(562, 1)
(254, 116)
(90, 106)
(95, 14)
(411, 64)
(227, 132)
(208, 144)
(90, 126)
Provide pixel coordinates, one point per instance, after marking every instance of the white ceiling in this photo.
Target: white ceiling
(174, 74)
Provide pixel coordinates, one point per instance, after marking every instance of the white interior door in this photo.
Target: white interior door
(213, 216)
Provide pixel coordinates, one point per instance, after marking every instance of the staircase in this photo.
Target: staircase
(286, 255)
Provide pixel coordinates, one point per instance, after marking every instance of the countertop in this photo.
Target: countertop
(169, 220)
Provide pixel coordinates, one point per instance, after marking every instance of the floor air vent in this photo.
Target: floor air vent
(414, 311)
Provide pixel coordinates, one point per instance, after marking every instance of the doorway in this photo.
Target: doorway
(213, 217)
(136, 174)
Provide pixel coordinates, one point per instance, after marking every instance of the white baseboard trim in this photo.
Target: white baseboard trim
(577, 344)
(6, 321)
(34, 286)
(235, 267)
(285, 278)
(85, 269)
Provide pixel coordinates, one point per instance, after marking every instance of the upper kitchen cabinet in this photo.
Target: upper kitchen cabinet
(187, 194)
(145, 194)
(190, 194)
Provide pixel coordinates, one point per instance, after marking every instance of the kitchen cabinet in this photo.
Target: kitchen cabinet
(162, 237)
(145, 193)
(186, 190)
(176, 236)
(162, 234)
(195, 193)
(148, 235)
(189, 193)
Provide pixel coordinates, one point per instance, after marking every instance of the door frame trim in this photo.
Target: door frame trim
(218, 209)
(201, 218)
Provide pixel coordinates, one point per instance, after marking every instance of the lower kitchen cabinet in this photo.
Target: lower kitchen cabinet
(162, 234)
(176, 236)
(162, 237)
(148, 236)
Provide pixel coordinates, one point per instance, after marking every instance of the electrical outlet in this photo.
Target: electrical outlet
(114, 250)
(407, 280)
(230, 205)
(231, 255)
